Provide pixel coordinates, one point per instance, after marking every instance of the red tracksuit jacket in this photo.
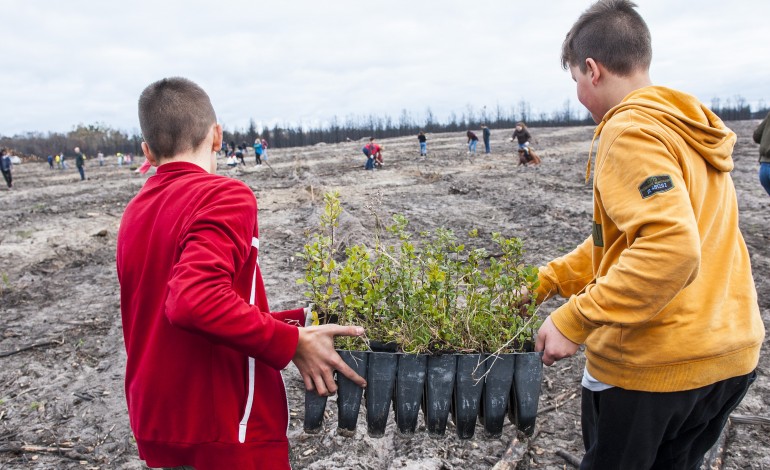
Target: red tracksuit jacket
(203, 381)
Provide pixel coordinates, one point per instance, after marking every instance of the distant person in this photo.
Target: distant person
(378, 161)
(6, 165)
(423, 144)
(526, 153)
(522, 136)
(63, 161)
(486, 134)
(50, 162)
(258, 151)
(80, 161)
(660, 292)
(100, 158)
(239, 154)
(245, 149)
(472, 142)
(264, 149)
(204, 353)
(231, 149)
(762, 137)
(367, 151)
(373, 154)
(120, 159)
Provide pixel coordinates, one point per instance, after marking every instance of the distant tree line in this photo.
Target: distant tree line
(101, 138)
(91, 139)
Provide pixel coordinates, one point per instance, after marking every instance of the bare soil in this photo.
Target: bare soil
(62, 403)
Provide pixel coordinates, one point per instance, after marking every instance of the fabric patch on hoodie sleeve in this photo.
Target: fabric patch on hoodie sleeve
(655, 184)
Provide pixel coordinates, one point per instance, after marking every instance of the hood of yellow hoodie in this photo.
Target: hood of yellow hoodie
(685, 115)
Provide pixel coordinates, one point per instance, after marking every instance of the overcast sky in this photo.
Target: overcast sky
(304, 61)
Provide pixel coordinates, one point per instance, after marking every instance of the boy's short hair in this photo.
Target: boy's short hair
(175, 115)
(612, 33)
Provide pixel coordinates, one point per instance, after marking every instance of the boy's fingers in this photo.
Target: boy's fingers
(540, 342)
(345, 370)
(320, 387)
(309, 386)
(548, 359)
(339, 330)
(329, 383)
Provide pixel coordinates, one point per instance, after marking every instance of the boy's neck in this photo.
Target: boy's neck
(618, 87)
(204, 156)
(196, 158)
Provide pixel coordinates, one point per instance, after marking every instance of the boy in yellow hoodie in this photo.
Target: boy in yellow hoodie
(661, 293)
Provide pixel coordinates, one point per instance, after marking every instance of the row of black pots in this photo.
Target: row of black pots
(470, 387)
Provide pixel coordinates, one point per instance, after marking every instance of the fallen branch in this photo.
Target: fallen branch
(743, 419)
(569, 458)
(66, 451)
(512, 456)
(555, 406)
(31, 346)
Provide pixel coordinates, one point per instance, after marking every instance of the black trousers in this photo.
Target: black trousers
(626, 429)
(8, 177)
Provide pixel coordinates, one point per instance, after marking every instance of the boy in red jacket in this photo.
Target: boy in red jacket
(204, 352)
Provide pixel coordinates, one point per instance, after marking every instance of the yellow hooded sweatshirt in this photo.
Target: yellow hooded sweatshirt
(662, 293)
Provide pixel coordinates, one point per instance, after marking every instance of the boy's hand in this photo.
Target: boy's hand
(555, 346)
(317, 360)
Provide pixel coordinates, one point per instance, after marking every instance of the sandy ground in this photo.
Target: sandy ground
(62, 403)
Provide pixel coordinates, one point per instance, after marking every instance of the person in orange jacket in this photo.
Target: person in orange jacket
(661, 293)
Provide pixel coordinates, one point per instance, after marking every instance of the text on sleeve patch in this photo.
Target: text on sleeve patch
(655, 184)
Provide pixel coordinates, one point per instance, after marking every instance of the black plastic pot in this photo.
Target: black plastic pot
(410, 383)
(497, 392)
(469, 384)
(315, 406)
(525, 393)
(379, 346)
(348, 393)
(380, 379)
(439, 383)
(438, 392)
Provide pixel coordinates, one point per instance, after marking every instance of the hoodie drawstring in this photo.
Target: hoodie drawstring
(591, 150)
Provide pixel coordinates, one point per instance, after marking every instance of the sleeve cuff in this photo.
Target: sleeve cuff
(571, 324)
(293, 317)
(279, 351)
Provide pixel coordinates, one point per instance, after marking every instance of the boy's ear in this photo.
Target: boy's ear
(149, 155)
(217, 143)
(593, 70)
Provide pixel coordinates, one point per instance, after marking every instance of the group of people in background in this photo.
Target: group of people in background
(473, 140)
(520, 134)
(59, 161)
(235, 154)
